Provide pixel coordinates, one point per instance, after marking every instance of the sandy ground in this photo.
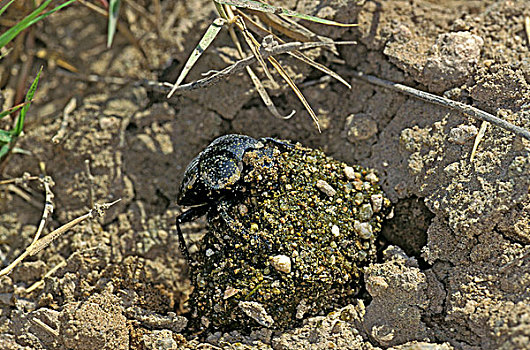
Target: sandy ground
(454, 270)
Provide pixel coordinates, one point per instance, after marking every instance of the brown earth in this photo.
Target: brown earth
(457, 272)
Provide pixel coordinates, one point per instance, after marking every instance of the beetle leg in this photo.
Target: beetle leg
(222, 210)
(187, 216)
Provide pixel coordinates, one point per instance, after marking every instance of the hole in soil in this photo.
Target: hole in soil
(408, 228)
(131, 127)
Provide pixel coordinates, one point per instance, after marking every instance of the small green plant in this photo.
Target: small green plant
(8, 138)
(238, 14)
(114, 9)
(35, 16)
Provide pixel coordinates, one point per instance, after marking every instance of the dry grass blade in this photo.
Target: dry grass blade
(25, 178)
(263, 7)
(43, 242)
(445, 102)
(300, 56)
(205, 41)
(241, 64)
(273, 21)
(265, 96)
(527, 28)
(48, 274)
(478, 138)
(298, 93)
(256, 27)
(254, 47)
(291, 29)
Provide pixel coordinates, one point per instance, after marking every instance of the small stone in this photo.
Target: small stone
(363, 229)
(209, 252)
(160, 339)
(377, 202)
(326, 188)
(349, 172)
(462, 134)
(372, 178)
(230, 292)
(366, 212)
(335, 230)
(257, 312)
(282, 263)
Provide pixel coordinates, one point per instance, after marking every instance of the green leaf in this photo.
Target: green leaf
(29, 20)
(206, 40)
(23, 24)
(114, 11)
(3, 9)
(262, 7)
(29, 96)
(44, 15)
(4, 150)
(13, 109)
(5, 136)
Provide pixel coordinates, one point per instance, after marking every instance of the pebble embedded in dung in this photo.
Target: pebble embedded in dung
(281, 263)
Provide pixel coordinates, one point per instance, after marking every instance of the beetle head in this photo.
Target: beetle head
(192, 190)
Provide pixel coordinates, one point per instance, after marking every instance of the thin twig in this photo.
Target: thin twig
(266, 51)
(261, 31)
(45, 241)
(144, 13)
(478, 138)
(25, 178)
(48, 183)
(90, 183)
(445, 102)
(527, 28)
(24, 195)
(69, 108)
(48, 274)
(45, 327)
(13, 186)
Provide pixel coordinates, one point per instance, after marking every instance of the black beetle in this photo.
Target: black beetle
(215, 175)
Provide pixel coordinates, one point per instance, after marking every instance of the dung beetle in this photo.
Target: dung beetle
(215, 175)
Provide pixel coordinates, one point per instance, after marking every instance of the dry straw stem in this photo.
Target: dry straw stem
(69, 108)
(90, 183)
(527, 28)
(48, 183)
(12, 185)
(445, 102)
(44, 326)
(478, 138)
(121, 27)
(262, 31)
(266, 50)
(48, 274)
(35, 247)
